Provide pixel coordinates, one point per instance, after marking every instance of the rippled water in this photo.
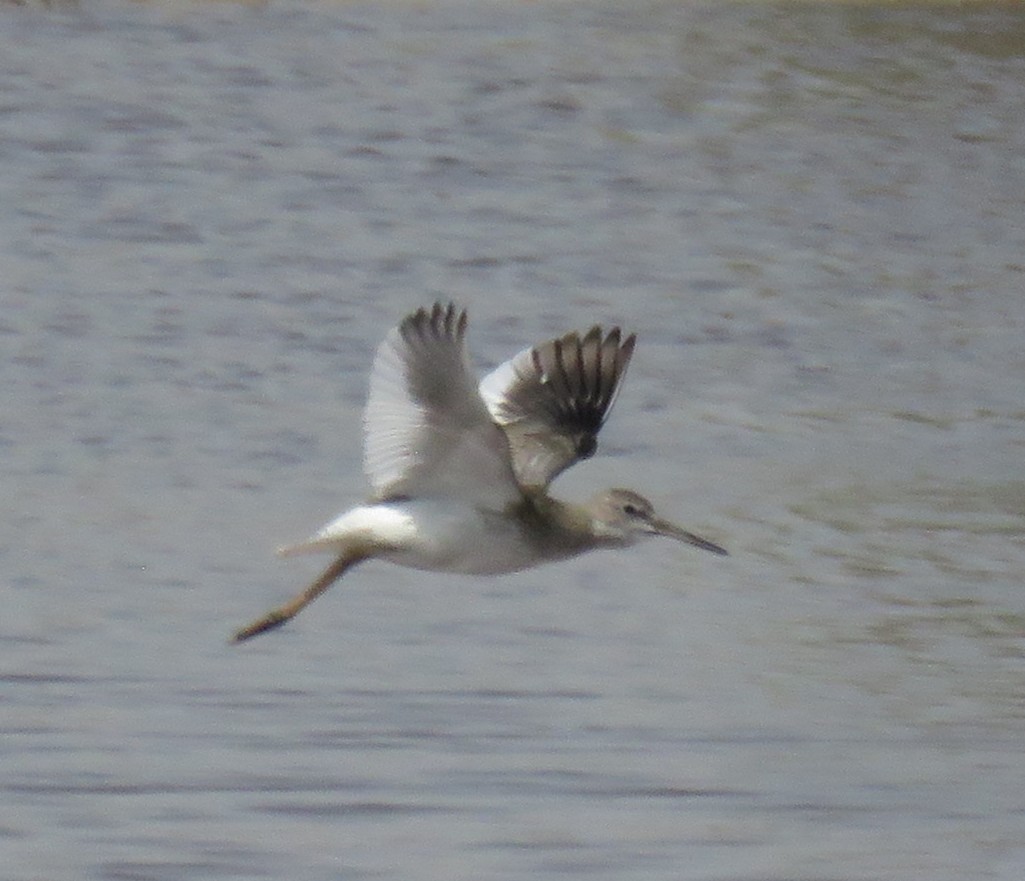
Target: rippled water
(811, 215)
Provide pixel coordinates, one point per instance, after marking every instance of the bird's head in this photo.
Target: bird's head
(624, 517)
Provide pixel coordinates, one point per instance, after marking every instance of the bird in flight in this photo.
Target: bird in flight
(460, 470)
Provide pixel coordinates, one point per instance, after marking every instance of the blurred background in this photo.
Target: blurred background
(811, 214)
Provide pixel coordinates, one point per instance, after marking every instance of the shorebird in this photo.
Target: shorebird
(460, 471)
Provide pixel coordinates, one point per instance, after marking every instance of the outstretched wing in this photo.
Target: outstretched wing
(553, 399)
(428, 432)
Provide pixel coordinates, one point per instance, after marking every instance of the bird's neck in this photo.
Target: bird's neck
(557, 525)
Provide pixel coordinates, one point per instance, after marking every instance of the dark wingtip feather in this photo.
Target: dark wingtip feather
(442, 320)
(582, 375)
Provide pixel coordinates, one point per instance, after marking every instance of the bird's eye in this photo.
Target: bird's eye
(631, 510)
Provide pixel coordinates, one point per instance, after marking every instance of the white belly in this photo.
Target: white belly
(439, 535)
(443, 537)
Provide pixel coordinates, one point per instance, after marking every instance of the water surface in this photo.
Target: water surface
(811, 215)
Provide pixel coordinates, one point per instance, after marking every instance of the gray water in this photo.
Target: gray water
(812, 216)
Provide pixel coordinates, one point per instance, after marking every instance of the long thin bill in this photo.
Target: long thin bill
(671, 530)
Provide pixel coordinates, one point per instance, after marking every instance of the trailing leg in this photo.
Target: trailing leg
(277, 617)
